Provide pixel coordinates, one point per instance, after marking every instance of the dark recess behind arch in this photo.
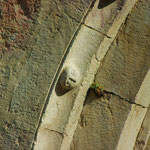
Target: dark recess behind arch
(104, 3)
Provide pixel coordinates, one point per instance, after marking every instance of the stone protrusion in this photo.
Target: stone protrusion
(70, 77)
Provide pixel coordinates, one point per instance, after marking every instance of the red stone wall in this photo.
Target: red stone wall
(16, 17)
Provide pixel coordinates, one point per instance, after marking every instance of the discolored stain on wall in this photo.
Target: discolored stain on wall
(16, 18)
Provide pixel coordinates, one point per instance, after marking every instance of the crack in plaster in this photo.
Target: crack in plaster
(56, 132)
(82, 22)
(96, 30)
(125, 99)
(108, 106)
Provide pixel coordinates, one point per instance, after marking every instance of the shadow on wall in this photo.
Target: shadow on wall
(59, 90)
(104, 3)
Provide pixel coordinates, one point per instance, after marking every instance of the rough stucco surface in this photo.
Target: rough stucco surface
(27, 68)
(16, 19)
(121, 74)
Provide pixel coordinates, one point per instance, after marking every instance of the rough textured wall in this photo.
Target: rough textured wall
(127, 61)
(100, 123)
(16, 20)
(33, 37)
(121, 75)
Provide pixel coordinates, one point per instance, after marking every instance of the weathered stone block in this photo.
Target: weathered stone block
(127, 61)
(101, 123)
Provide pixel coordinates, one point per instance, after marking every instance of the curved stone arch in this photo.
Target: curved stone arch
(143, 98)
(133, 125)
(71, 112)
(59, 128)
(135, 122)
